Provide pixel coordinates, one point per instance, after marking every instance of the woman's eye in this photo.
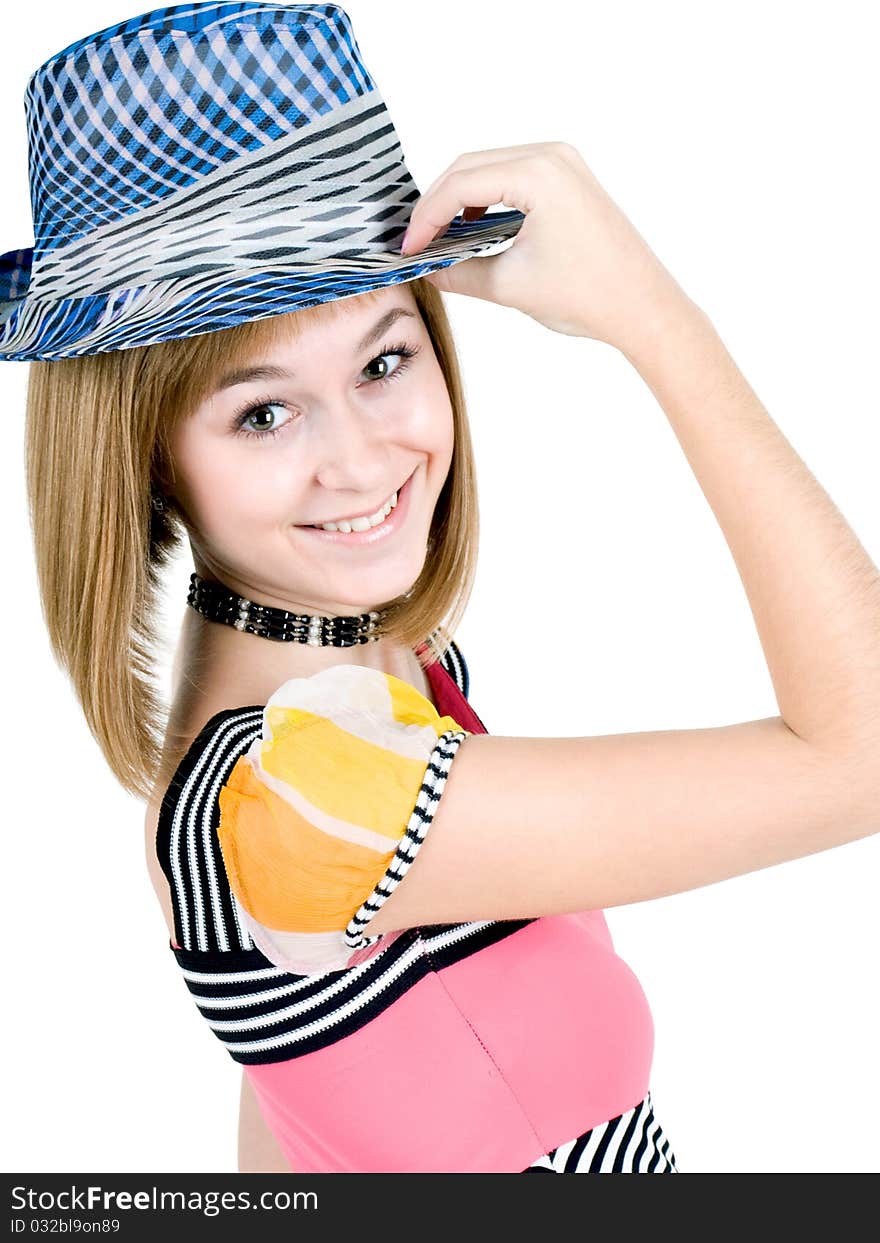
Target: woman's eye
(386, 371)
(254, 412)
(403, 354)
(262, 427)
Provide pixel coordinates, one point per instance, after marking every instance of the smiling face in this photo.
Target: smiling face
(337, 419)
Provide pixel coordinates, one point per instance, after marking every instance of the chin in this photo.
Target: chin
(379, 594)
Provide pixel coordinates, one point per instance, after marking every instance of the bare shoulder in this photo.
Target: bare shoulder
(527, 827)
(157, 876)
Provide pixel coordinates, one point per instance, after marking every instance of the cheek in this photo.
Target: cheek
(226, 489)
(431, 423)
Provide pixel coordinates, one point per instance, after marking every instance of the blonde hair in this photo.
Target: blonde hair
(97, 441)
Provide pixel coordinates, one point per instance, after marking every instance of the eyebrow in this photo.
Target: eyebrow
(268, 372)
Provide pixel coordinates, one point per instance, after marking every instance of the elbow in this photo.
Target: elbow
(856, 761)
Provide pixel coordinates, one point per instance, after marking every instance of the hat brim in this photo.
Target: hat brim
(202, 301)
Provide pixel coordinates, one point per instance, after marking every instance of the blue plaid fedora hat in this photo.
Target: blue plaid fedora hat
(204, 165)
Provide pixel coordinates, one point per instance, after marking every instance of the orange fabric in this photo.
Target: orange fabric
(299, 879)
(347, 777)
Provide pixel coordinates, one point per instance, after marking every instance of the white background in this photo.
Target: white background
(741, 140)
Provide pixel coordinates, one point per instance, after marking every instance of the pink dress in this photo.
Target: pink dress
(492, 1046)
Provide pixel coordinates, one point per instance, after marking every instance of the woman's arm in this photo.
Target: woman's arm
(579, 266)
(528, 827)
(258, 1151)
(813, 590)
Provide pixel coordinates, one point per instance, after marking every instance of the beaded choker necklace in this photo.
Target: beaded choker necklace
(219, 604)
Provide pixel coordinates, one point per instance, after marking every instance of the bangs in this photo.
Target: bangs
(180, 374)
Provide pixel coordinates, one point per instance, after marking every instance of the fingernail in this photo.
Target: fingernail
(403, 243)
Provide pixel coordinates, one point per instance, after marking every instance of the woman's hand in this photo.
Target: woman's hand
(577, 265)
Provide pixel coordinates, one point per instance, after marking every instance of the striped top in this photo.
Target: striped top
(491, 1045)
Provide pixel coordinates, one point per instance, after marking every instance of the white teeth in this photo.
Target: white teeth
(361, 524)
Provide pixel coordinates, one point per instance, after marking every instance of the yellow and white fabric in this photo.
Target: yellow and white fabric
(321, 818)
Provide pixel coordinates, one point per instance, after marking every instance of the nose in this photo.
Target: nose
(351, 452)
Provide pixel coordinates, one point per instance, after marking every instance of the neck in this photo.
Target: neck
(236, 667)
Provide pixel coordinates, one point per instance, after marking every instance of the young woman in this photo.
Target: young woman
(389, 917)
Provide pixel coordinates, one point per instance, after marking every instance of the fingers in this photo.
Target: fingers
(499, 181)
(469, 159)
(468, 215)
(480, 177)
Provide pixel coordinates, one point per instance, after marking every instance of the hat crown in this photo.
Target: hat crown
(205, 165)
(120, 120)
